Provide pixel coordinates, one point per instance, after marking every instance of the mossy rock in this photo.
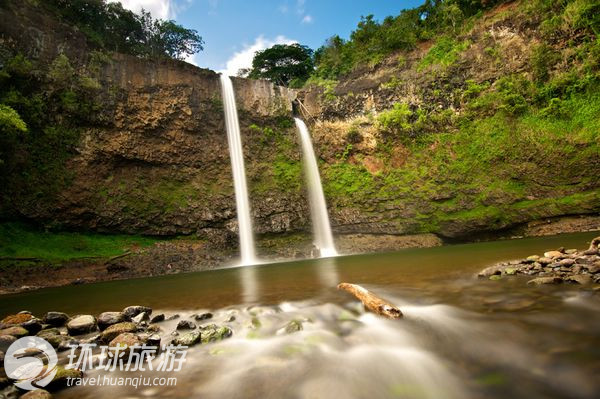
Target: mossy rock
(15, 332)
(188, 339)
(116, 329)
(214, 333)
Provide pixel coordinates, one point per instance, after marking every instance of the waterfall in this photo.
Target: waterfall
(318, 208)
(248, 256)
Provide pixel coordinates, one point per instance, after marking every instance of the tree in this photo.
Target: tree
(283, 64)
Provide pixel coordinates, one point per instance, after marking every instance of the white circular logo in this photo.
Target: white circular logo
(31, 362)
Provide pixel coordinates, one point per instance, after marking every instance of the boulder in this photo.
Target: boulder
(545, 280)
(106, 319)
(158, 318)
(582, 279)
(15, 331)
(203, 316)
(553, 254)
(15, 320)
(82, 324)
(187, 339)
(126, 340)
(567, 262)
(132, 311)
(56, 319)
(37, 394)
(117, 329)
(6, 341)
(140, 318)
(33, 326)
(185, 325)
(213, 333)
(61, 377)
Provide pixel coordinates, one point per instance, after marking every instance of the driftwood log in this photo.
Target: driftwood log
(371, 301)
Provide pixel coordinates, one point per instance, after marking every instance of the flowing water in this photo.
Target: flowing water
(460, 337)
(323, 238)
(236, 152)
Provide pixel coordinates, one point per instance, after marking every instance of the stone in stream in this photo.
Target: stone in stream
(172, 317)
(544, 261)
(54, 338)
(545, 280)
(186, 325)
(553, 254)
(17, 331)
(37, 394)
(158, 318)
(203, 316)
(582, 279)
(15, 320)
(567, 262)
(107, 319)
(132, 311)
(140, 318)
(62, 376)
(126, 340)
(117, 329)
(532, 258)
(82, 324)
(56, 319)
(293, 326)
(187, 339)
(33, 326)
(593, 268)
(213, 333)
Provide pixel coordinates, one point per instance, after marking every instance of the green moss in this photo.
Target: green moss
(445, 52)
(22, 241)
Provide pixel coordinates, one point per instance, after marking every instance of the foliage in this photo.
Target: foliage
(109, 26)
(282, 64)
(372, 41)
(395, 119)
(20, 240)
(445, 52)
(543, 57)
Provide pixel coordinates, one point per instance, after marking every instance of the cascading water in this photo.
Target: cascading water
(318, 208)
(247, 251)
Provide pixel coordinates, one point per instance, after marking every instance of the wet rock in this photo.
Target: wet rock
(61, 377)
(545, 280)
(590, 252)
(203, 316)
(293, 326)
(1, 356)
(532, 258)
(132, 311)
(53, 336)
(158, 318)
(495, 277)
(10, 392)
(142, 317)
(126, 340)
(56, 319)
(153, 329)
(188, 338)
(510, 271)
(583, 279)
(107, 319)
(553, 254)
(186, 325)
(544, 261)
(570, 251)
(33, 326)
(17, 331)
(593, 268)
(82, 324)
(493, 270)
(15, 320)
(172, 317)
(213, 333)
(567, 262)
(117, 329)
(150, 339)
(37, 394)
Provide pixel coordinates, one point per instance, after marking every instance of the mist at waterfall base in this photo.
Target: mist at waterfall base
(299, 337)
(323, 239)
(247, 249)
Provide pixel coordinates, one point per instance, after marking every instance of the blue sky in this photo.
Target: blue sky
(234, 29)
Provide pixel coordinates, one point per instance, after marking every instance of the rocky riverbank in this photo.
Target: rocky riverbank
(130, 328)
(553, 267)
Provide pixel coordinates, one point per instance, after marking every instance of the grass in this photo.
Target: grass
(21, 241)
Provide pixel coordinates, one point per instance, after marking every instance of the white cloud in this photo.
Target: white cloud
(243, 59)
(163, 9)
(307, 19)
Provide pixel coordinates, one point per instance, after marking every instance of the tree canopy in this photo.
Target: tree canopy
(111, 27)
(283, 64)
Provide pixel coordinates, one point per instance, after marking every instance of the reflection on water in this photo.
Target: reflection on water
(460, 337)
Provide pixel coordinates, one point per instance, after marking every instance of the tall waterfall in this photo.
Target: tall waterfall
(318, 208)
(239, 173)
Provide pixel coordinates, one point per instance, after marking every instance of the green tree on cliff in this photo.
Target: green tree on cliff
(283, 64)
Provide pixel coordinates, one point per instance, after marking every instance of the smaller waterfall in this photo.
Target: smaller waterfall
(318, 208)
(239, 173)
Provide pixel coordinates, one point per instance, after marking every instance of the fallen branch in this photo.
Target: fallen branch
(371, 301)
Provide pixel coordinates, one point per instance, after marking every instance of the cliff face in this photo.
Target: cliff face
(154, 159)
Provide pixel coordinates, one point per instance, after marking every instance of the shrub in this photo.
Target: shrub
(445, 52)
(543, 58)
(395, 119)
